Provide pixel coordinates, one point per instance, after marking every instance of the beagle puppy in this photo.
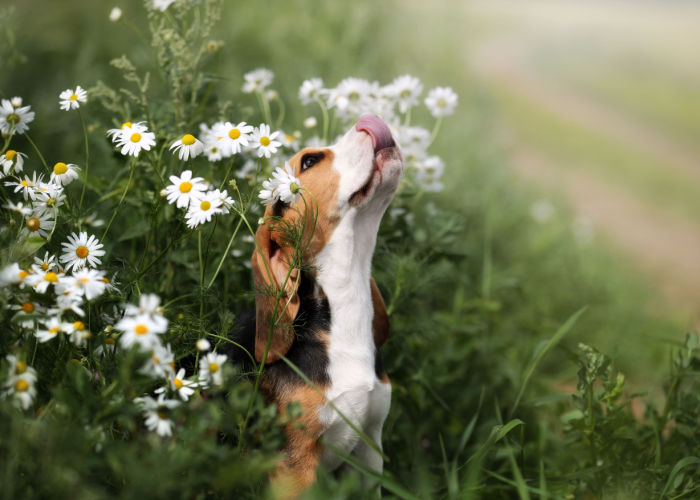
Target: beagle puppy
(331, 320)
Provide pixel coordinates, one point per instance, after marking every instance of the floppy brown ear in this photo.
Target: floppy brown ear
(271, 265)
(380, 321)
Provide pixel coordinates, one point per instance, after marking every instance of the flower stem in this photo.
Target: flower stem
(126, 189)
(41, 157)
(82, 193)
(435, 131)
(324, 111)
(225, 254)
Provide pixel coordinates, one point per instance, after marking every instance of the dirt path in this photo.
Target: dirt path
(662, 243)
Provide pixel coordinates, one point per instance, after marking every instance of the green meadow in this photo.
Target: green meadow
(529, 356)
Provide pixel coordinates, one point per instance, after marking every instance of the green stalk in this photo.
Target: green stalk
(87, 154)
(126, 189)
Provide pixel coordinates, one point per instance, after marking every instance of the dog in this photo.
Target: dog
(331, 320)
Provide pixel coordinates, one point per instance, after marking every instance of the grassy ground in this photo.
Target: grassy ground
(476, 286)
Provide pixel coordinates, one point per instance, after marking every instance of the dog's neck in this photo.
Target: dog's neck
(344, 271)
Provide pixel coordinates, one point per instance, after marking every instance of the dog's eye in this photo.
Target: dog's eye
(309, 160)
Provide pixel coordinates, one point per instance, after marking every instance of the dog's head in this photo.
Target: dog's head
(346, 189)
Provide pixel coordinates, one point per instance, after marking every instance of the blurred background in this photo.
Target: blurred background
(573, 156)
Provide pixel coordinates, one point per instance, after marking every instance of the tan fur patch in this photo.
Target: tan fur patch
(297, 471)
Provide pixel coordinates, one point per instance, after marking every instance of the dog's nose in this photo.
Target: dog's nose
(378, 130)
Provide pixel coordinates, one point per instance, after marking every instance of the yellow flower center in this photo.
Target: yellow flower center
(234, 133)
(135, 137)
(13, 118)
(156, 360)
(54, 330)
(213, 367)
(205, 205)
(60, 168)
(288, 138)
(79, 326)
(110, 341)
(24, 183)
(84, 280)
(214, 149)
(177, 383)
(185, 187)
(28, 307)
(44, 266)
(141, 329)
(21, 386)
(161, 414)
(82, 251)
(126, 124)
(188, 139)
(105, 280)
(441, 103)
(265, 140)
(20, 367)
(9, 154)
(23, 274)
(74, 97)
(33, 224)
(51, 277)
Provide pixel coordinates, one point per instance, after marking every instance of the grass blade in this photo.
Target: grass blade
(539, 354)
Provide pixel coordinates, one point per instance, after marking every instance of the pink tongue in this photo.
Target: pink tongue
(379, 131)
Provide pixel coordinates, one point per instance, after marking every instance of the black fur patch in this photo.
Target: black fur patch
(309, 350)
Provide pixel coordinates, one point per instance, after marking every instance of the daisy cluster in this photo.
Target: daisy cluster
(394, 103)
(144, 326)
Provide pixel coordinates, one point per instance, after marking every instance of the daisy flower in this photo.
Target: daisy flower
(406, 90)
(12, 162)
(350, 97)
(188, 147)
(282, 186)
(202, 209)
(14, 120)
(429, 172)
(213, 151)
(441, 101)
(88, 283)
(290, 141)
(48, 263)
(70, 99)
(156, 413)
(117, 135)
(139, 330)
(28, 187)
(257, 80)
(81, 251)
(149, 305)
(77, 333)
(49, 196)
(132, 139)
(38, 223)
(115, 14)
(161, 5)
(310, 122)
(64, 173)
(25, 309)
(18, 208)
(289, 186)
(161, 364)
(178, 383)
(247, 170)
(40, 280)
(265, 141)
(12, 275)
(53, 326)
(233, 137)
(310, 90)
(210, 369)
(67, 301)
(184, 189)
(21, 383)
(226, 201)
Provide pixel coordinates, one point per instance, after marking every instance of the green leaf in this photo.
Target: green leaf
(680, 465)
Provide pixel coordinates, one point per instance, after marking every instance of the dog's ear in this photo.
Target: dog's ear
(271, 272)
(380, 321)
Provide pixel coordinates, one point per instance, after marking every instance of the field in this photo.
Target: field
(543, 304)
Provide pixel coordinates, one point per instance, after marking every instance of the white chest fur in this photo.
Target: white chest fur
(355, 391)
